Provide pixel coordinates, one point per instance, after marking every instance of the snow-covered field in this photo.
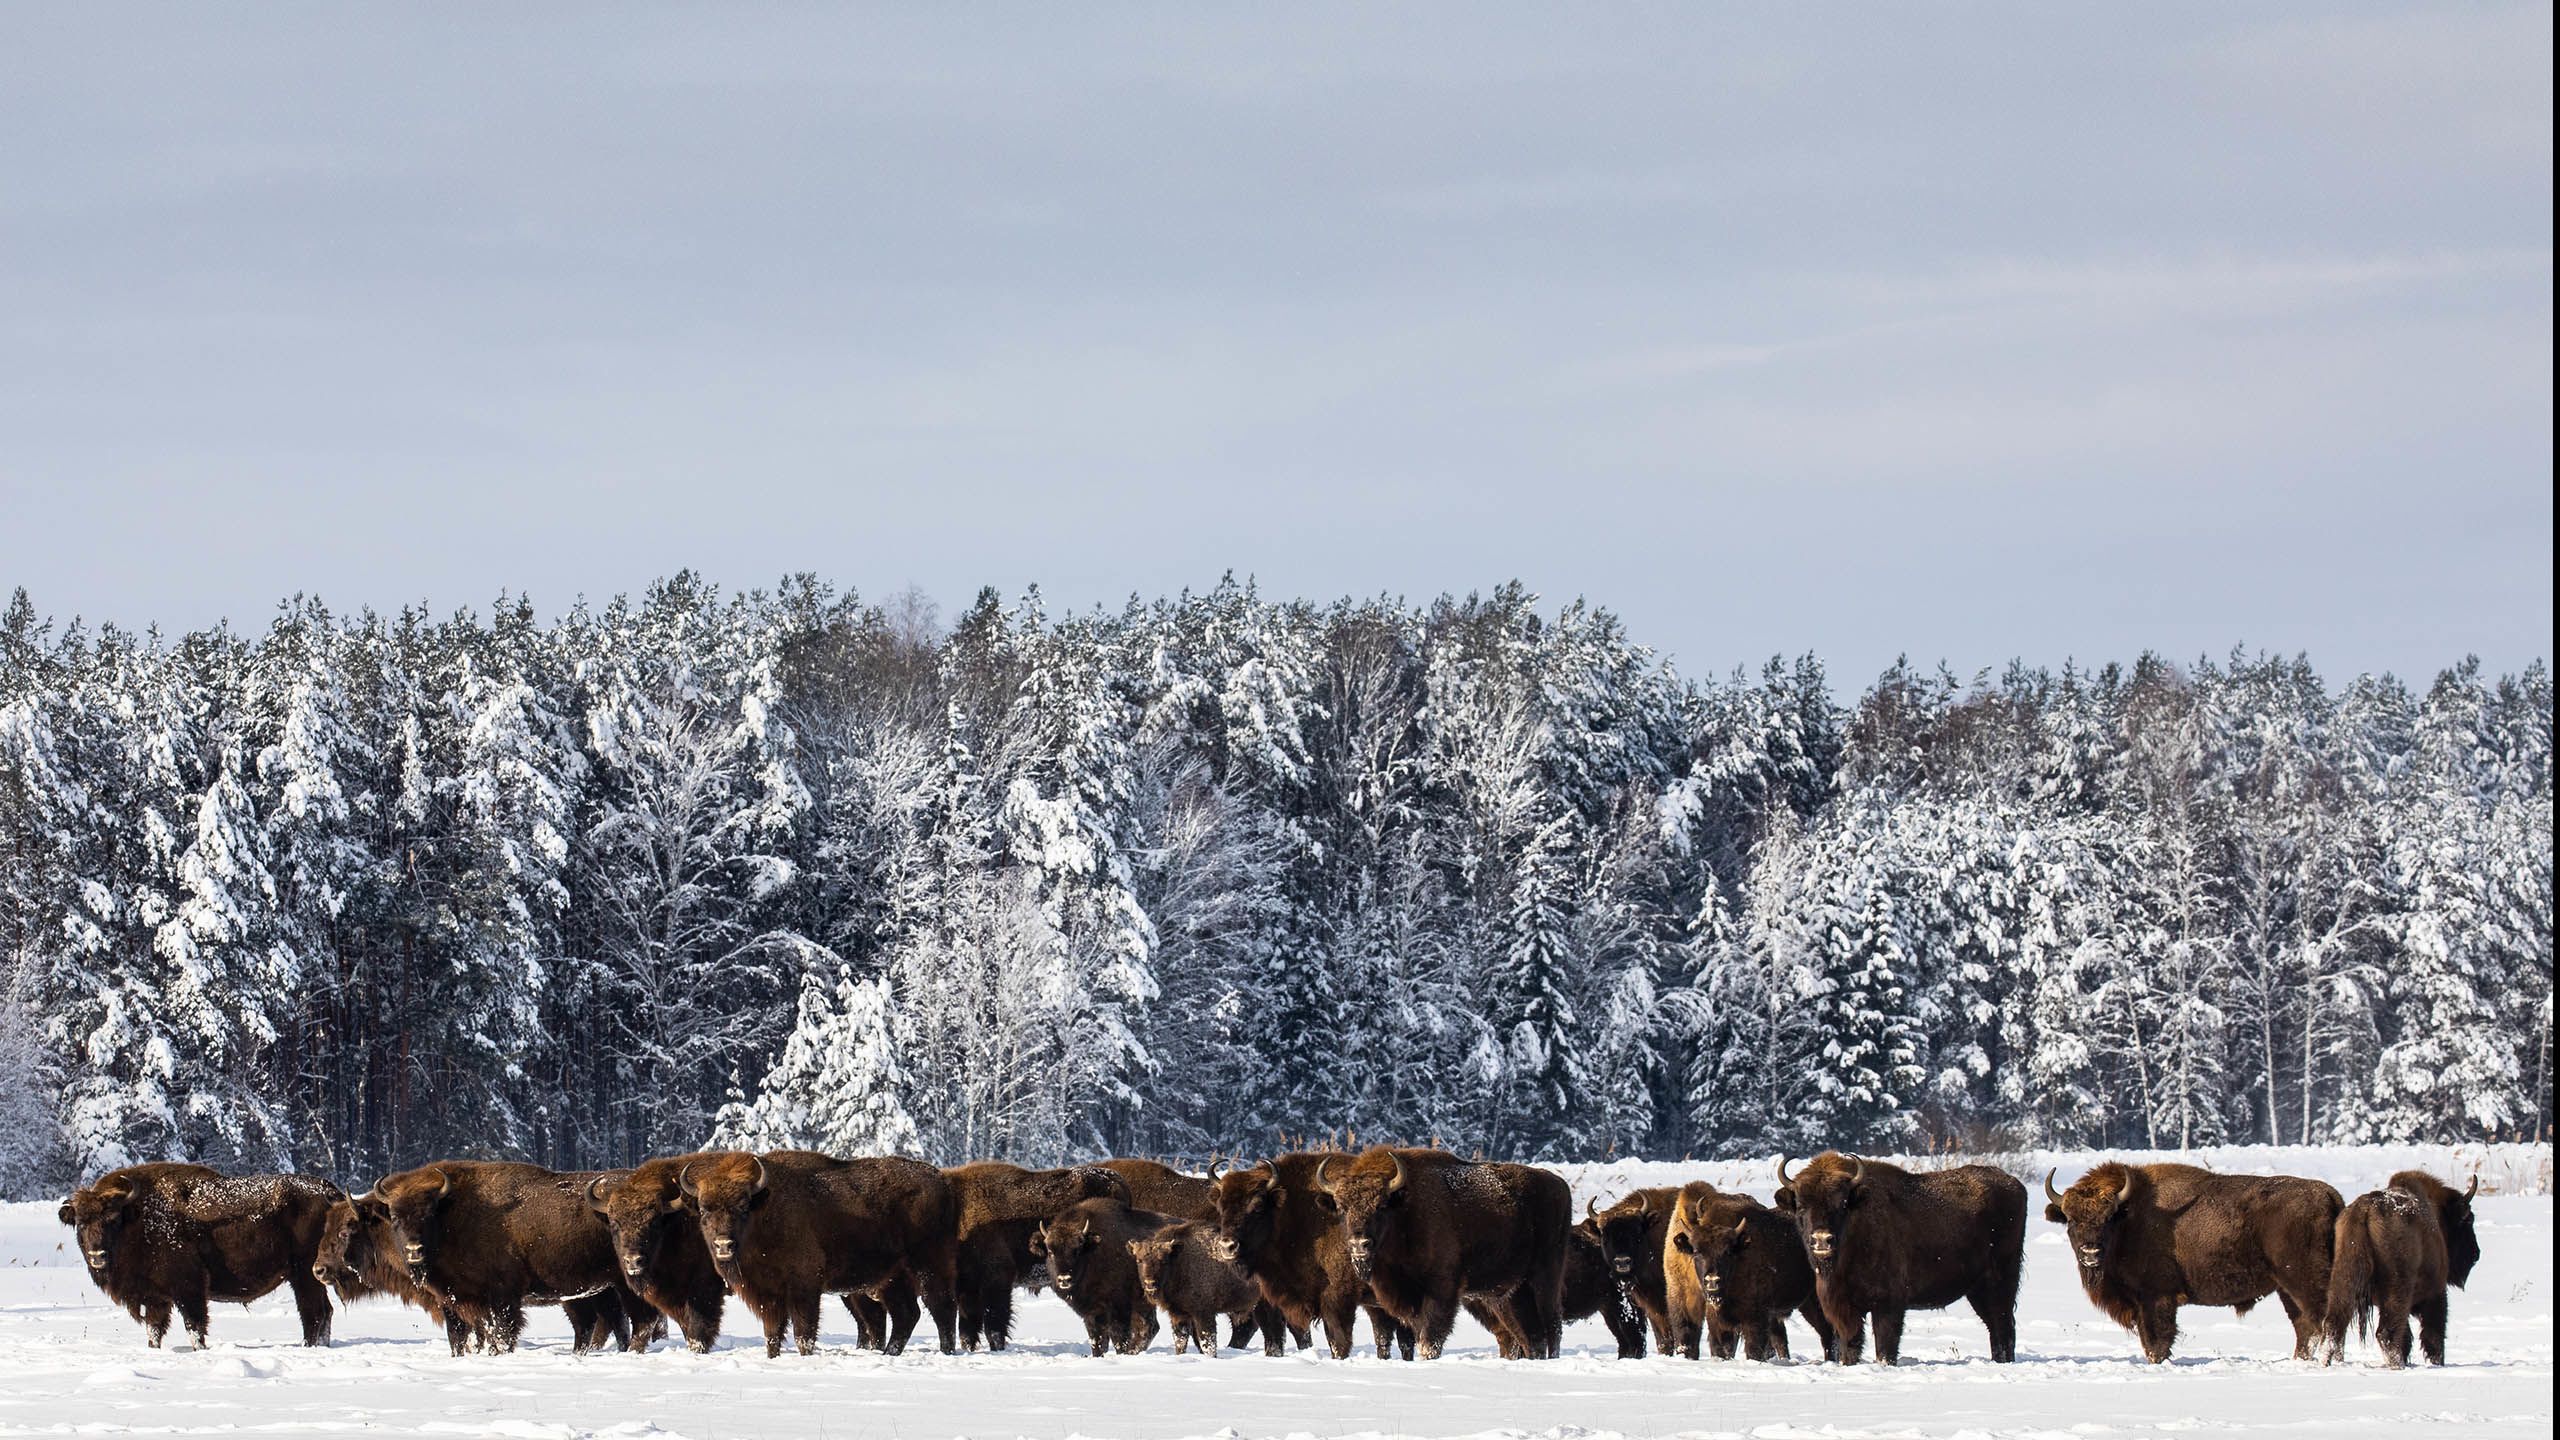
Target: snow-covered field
(69, 1364)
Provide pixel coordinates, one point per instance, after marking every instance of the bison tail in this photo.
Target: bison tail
(2350, 1280)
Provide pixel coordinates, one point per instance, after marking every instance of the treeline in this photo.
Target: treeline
(1208, 872)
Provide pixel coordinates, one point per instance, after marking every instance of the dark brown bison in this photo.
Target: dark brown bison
(1885, 1241)
(790, 1227)
(1273, 1224)
(1735, 1268)
(358, 1259)
(1087, 1249)
(1428, 1230)
(1167, 1191)
(1183, 1276)
(1592, 1287)
(2397, 1249)
(486, 1238)
(658, 1246)
(167, 1236)
(2150, 1238)
(1001, 1206)
(1633, 1234)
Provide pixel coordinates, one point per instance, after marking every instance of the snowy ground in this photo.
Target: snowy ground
(71, 1365)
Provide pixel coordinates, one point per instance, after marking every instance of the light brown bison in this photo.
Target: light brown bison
(1885, 1241)
(1088, 1251)
(487, 1238)
(1633, 1234)
(1000, 1206)
(2150, 1238)
(790, 1227)
(168, 1236)
(1274, 1225)
(1428, 1230)
(1734, 1269)
(2397, 1249)
(1183, 1276)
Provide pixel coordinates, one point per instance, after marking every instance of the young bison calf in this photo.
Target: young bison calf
(1184, 1278)
(1090, 1264)
(1736, 1267)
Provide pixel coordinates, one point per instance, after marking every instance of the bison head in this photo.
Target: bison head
(1373, 1195)
(1067, 1243)
(724, 1191)
(410, 1202)
(98, 1213)
(2093, 1210)
(1245, 1205)
(352, 1240)
(1822, 1197)
(1712, 1230)
(640, 1208)
(1626, 1233)
(1154, 1255)
(2453, 1216)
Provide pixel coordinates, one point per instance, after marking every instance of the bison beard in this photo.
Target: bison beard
(1429, 1230)
(1272, 1224)
(1001, 1206)
(487, 1238)
(1736, 1267)
(787, 1228)
(1884, 1241)
(2150, 1238)
(1088, 1252)
(2397, 1249)
(166, 1236)
(1592, 1288)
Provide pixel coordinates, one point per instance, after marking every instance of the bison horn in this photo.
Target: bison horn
(684, 1182)
(595, 1189)
(1322, 1166)
(759, 1171)
(2049, 1192)
(444, 1183)
(2475, 1186)
(1591, 1207)
(1783, 1177)
(1398, 1182)
(1217, 1167)
(1857, 1169)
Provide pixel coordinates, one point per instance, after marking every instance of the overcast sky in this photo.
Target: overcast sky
(1965, 330)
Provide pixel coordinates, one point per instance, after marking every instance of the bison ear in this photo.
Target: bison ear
(64, 1214)
(2054, 1214)
(1038, 1244)
(1785, 1199)
(1680, 1242)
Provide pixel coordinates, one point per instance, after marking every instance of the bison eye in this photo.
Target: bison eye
(1328, 1202)
(1394, 1199)
(1681, 1244)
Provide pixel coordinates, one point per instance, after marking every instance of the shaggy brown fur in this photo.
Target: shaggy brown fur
(165, 1236)
(1735, 1268)
(792, 1226)
(1427, 1229)
(487, 1238)
(1001, 1206)
(2150, 1238)
(1592, 1288)
(1272, 1224)
(657, 1246)
(1885, 1241)
(1087, 1250)
(1167, 1191)
(1184, 1277)
(2397, 1249)
(356, 1259)
(1632, 1234)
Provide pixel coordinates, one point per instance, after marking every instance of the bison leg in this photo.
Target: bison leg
(2156, 1326)
(1273, 1325)
(804, 1309)
(1338, 1336)
(1888, 1325)
(2431, 1318)
(1721, 1334)
(457, 1331)
(870, 1320)
(2305, 1320)
(1140, 1332)
(1433, 1319)
(503, 1327)
(1822, 1331)
(311, 1303)
(194, 1311)
(2392, 1331)
(154, 1315)
(900, 1301)
(1999, 1314)
(1851, 1328)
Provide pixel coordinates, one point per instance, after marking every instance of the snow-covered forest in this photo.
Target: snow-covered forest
(1213, 872)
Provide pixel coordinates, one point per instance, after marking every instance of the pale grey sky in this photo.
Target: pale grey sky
(1968, 330)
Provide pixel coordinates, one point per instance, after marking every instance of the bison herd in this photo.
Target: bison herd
(1407, 1237)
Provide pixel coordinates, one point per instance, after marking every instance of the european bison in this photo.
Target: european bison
(1167, 1191)
(1088, 1252)
(357, 1259)
(1272, 1224)
(1634, 1234)
(165, 1236)
(2150, 1238)
(1183, 1276)
(487, 1238)
(1427, 1230)
(1591, 1288)
(1736, 1267)
(792, 1226)
(1885, 1241)
(1000, 1206)
(2397, 1248)
(658, 1246)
